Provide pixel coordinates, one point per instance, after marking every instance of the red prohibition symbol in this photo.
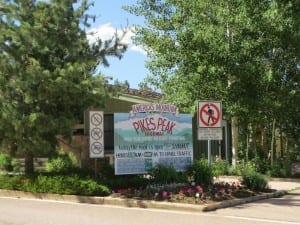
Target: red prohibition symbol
(209, 115)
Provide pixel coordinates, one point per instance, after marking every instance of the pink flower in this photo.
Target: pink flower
(222, 190)
(190, 190)
(199, 189)
(164, 194)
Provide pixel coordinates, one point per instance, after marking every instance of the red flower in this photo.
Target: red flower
(122, 191)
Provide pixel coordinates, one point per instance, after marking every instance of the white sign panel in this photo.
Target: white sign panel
(210, 134)
(96, 129)
(209, 120)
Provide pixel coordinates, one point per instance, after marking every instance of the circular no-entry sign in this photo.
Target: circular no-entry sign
(209, 114)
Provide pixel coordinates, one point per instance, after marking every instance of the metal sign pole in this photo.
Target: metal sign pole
(209, 152)
(96, 169)
(220, 150)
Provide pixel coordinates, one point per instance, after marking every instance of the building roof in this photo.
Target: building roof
(128, 96)
(149, 94)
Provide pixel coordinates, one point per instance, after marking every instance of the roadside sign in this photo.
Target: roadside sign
(209, 120)
(96, 129)
(209, 114)
(210, 134)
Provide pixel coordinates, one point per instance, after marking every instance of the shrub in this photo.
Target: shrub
(162, 174)
(220, 167)
(11, 182)
(64, 185)
(260, 164)
(125, 181)
(107, 176)
(254, 180)
(240, 168)
(106, 170)
(91, 187)
(16, 165)
(236, 170)
(278, 170)
(200, 172)
(63, 163)
(5, 162)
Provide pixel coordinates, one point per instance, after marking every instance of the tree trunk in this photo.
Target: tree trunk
(235, 133)
(272, 143)
(29, 167)
(252, 141)
(247, 147)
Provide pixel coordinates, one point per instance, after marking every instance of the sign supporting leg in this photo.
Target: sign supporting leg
(96, 169)
(209, 152)
(220, 150)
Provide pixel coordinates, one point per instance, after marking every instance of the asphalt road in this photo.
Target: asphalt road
(13, 211)
(284, 210)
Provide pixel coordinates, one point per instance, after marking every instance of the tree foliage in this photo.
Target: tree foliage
(245, 53)
(47, 71)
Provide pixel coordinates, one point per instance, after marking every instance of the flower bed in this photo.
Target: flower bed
(188, 193)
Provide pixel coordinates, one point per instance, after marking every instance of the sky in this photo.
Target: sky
(110, 17)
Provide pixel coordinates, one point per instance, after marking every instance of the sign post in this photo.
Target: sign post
(209, 123)
(96, 132)
(208, 153)
(96, 129)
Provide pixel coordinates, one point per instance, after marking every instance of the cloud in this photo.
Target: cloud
(137, 48)
(107, 31)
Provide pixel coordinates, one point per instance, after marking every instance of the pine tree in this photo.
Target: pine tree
(47, 71)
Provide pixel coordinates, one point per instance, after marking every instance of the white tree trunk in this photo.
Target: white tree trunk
(235, 133)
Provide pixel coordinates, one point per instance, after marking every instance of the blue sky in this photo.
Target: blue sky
(111, 17)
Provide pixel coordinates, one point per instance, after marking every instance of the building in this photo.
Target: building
(79, 144)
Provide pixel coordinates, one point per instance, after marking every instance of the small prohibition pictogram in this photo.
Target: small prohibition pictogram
(96, 133)
(209, 115)
(97, 148)
(96, 119)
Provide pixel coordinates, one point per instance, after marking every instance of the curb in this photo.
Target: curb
(234, 202)
(123, 202)
(134, 203)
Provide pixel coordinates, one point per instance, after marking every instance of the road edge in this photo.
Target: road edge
(136, 203)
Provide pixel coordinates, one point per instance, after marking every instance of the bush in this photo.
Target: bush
(90, 187)
(278, 170)
(63, 163)
(200, 172)
(125, 181)
(10, 182)
(240, 168)
(5, 162)
(16, 165)
(64, 185)
(260, 164)
(254, 181)
(220, 167)
(162, 174)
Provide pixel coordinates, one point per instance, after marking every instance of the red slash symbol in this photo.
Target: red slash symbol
(209, 115)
